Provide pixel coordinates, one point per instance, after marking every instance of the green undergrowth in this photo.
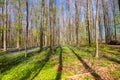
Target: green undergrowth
(116, 74)
(25, 68)
(9, 60)
(49, 71)
(67, 61)
(106, 49)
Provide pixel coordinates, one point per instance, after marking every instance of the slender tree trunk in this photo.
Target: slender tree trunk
(69, 26)
(2, 26)
(9, 24)
(96, 30)
(119, 4)
(93, 22)
(88, 22)
(54, 21)
(100, 29)
(51, 26)
(77, 21)
(58, 30)
(105, 11)
(18, 33)
(115, 34)
(26, 36)
(31, 34)
(42, 26)
(5, 29)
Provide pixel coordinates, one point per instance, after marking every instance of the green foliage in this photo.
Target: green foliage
(41, 65)
(105, 64)
(87, 78)
(35, 32)
(9, 60)
(25, 69)
(2, 3)
(116, 74)
(49, 72)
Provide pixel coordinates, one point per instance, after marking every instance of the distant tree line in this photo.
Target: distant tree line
(26, 24)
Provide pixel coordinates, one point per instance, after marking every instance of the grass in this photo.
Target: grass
(49, 72)
(116, 74)
(24, 69)
(66, 63)
(9, 60)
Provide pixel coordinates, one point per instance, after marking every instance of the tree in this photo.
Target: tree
(27, 23)
(114, 20)
(69, 25)
(51, 25)
(105, 14)
(5, 27)
(96, 28)
(119, 4)
(19, 24)
(77, 21)
(43, 25)
(88, 21)
(63, 25)
(2, 20)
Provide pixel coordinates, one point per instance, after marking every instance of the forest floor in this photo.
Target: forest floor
(67, 63)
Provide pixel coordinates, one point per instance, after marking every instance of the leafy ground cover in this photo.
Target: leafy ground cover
(67, 63)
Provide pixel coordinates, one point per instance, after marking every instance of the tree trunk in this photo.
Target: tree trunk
(96, 30)
(77, 21)
(19, 28)
(69, 26)
(119, 4)
(26, 36)
(2, 27)
(105, 11)
(42, 26)
(5, 28)
(51, 26)
(115, 34)
(88, 22)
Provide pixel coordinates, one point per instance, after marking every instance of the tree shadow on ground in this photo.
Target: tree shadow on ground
(6, 65)
(16, 50)
(111, 59)
(87, 67)
(41, 64)
(59, 71)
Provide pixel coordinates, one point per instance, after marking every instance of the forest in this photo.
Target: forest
(59, 39)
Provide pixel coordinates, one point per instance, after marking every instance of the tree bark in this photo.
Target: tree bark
(2, 26)
(77, 21)
(43, 24)
(69, 26)
(19, 27)
(105, 13)
(96, 30)
(5, 28)
(119, 4)
(115, 34)
(26, 36)
(51, 25)
(88, 22)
